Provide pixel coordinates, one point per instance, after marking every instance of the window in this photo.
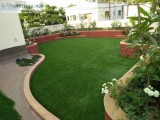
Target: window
(73, 17)
(87, 16)
(119, 12)
(106, 14)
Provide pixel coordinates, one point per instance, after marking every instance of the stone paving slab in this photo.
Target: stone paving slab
(11, 84)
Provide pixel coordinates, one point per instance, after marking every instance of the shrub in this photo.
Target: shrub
(26, 61)
(69, 33)
(116, 25)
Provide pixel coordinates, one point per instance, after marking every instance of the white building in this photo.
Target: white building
(11, 34)
(91, 10)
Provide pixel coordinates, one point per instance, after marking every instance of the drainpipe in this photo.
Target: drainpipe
(122, 11)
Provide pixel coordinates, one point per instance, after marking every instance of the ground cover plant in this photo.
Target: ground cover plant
(7, 112)
(69, 81)
(27, 61)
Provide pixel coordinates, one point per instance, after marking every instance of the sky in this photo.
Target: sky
(59, 3)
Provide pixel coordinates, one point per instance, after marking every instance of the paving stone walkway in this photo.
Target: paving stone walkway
(11, 84)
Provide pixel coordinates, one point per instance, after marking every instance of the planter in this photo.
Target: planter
(33, 49)
(45, 38)
(103, 33)
(112, 110)
(94, 33)
(127, 51)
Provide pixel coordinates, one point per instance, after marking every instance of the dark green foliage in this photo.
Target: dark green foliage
(116, 25)
(132, 100)
(50, 15)
(92, 25)
(27, 62)
(53, 15)
(69, 82)
(7, 111)
(140, 32)
(69, 33)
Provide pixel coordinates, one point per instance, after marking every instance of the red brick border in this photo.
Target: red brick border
(126, 50)
(100, 33)
(45, 38)
(33, 49)
(36, 106)
(104, 33)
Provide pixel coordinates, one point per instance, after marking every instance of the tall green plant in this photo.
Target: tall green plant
(140, 31)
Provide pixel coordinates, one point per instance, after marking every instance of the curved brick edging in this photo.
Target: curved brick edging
(127, 51)
(112, 111)
(37, 107)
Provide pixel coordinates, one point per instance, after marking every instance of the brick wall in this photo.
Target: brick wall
(101, 33)
(45, 38)
(104, 33)
(127, 51)
(33, 49)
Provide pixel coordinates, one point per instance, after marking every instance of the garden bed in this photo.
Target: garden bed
(99, 33)
(112, 110)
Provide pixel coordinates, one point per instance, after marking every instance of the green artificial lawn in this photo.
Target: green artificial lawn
(7, 112)
(69, 82)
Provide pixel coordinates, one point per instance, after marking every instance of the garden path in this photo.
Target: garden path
(11, 84)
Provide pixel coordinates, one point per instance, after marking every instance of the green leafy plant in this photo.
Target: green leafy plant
(116, 25)
(69, 33)
(29, 42)
(81, 26)
(93, 25)
(140, 97)
(140, 32)
(26, 61)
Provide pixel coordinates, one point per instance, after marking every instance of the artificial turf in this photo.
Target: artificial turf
(7, 112)
(69, 82)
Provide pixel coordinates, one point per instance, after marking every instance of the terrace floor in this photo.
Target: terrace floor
(11, 82)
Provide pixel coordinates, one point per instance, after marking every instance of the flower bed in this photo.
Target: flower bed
(100, 33)
(112, 111)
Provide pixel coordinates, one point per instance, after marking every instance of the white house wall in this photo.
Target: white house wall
(96, 9)
(11, 34)
(132, 10)
(102, 7)
(82, 9)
